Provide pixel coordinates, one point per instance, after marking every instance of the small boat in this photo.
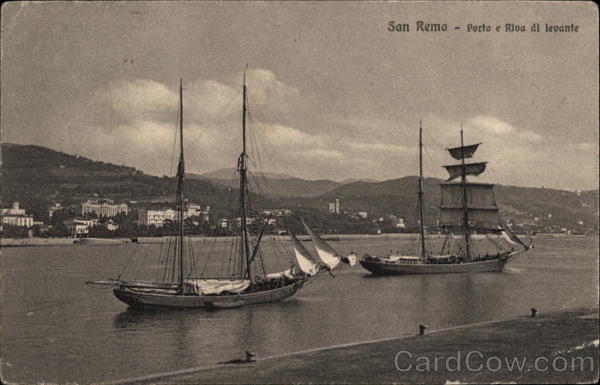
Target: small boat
(247, 282)
(466, 208)
(100, 241)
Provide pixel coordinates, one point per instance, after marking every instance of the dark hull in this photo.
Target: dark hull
(391, 268)
(140, 299)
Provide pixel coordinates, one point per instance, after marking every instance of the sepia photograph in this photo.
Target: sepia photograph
(299, 192)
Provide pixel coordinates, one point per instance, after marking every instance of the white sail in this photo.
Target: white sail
(325, 252)
(214, 286)
(512, 238)
(303, 259)
(351, 259)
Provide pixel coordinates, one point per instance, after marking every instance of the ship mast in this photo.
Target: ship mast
(464, 200)
(180, 179)
(423, 255)
(243, 188)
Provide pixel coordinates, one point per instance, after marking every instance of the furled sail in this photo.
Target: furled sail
(456, 170)
(214, 286)
(463, 152)
(481, 206)
(303, 259)
(325, 252)
(287, 273)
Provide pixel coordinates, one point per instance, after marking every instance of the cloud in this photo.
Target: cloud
(491, 124)
(264, 87)
(320, 153)
(390, 149)
(139, 99)
(291, 136)
(140, 121)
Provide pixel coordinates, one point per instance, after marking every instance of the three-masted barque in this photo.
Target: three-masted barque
(468, 210)
(246, 285)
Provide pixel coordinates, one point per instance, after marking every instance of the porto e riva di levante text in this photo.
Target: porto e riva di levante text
(422, 26)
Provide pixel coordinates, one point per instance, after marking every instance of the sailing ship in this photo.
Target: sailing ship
(247, 284)
(468, 210)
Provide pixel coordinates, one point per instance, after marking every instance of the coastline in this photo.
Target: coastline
(29, 242)
(568, 335)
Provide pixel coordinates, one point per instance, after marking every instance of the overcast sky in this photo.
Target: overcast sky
(333, 94)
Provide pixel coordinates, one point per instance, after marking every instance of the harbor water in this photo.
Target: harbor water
(56, 329)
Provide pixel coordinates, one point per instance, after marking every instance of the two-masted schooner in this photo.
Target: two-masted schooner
(246, 285)
(468, 210)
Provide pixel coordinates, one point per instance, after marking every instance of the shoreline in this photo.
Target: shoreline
(569, 334)
(35, 242)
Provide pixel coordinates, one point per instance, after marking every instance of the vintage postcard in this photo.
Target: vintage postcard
(255, 192)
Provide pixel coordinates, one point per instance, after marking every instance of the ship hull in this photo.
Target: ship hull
(387, 268)
(139, 299)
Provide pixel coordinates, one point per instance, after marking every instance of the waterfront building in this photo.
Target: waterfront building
(156, 217)
(103, 208)
(278, 212)
(400, 223)
(80, 226)
(16, 216)
(14, 210)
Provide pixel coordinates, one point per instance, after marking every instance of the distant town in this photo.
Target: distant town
(104, 218)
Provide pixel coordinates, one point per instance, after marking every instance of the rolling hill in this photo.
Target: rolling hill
(37, 176)
(271, 184)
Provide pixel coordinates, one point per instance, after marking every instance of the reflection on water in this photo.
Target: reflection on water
(57, 330)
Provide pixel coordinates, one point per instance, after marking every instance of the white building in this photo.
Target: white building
(363, 214)
(80, 226)
(156, 217)
(103, 208)
(16, 216)
(249, 221)
(400, 223)
(14, 210)
(278, 212)
(334, 207)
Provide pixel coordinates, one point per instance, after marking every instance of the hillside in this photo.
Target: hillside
(271, 184)
(517, 204)
(38, 176)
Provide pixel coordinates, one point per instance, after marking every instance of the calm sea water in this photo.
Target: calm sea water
(57, 329)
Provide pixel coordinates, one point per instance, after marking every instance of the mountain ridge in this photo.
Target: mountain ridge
(38, 176)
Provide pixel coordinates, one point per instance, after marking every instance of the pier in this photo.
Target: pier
(559, 347)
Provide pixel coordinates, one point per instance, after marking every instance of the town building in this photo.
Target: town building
(151, 217)
(363, 214)
(278, 212)
(80, 226)
(157, 217)
(103, 208)
(16, 216)
(249, 221)
(400, 223)
(334, 207)
(54, 208)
